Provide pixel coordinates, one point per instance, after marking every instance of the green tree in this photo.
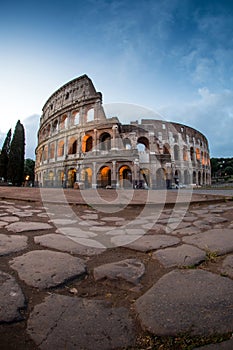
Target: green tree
(4, 156)
(15, 170)
(228, 170)
(29, 166)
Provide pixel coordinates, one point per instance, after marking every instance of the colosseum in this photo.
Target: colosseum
(78, 146)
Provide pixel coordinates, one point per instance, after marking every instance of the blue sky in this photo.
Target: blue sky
(171, 56)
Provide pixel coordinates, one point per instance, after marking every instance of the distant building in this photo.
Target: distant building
(78, 145)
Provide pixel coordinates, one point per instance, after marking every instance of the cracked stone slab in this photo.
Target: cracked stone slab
(227, 266)
(12, 244)
(153, 242)
(184, 255)
(66, 244)
(63, 322)
(28, 226)
(11, 299)
(215, 240)
(196, 302)
(130, 270)
(44, 269)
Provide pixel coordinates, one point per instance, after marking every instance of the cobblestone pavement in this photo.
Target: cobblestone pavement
(92, 278)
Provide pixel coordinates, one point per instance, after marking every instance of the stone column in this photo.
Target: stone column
(114, 175)
(95, 141)
(94, 184)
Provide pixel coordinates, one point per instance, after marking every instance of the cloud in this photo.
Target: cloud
(31, 126)
(212, 114)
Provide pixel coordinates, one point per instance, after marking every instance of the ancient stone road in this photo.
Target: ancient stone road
(48, 259)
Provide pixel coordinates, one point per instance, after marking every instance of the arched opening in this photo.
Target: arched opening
(55, 127)
(48, 130)
(60, 178)
(72, 146)
(198, 155)
(86, 177)
(60, 150)
(143, 144)
(105, 141)
(63, 122)
(104, 177)
(87, 143)
(71, 178)
(192, 154)
(199, 178)
(176, 152)
(194, 177)
(45, 153)
(125, 177)
(90, 115)
(161, 178)
(185, 153)
(127, 144)
(51, 151)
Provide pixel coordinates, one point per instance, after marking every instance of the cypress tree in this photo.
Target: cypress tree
(4, 156)
(15, 171)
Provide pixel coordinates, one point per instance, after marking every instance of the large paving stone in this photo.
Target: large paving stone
(184, 255)
(153, 242)
(45, 269)
(215, 240)
(12, 244)
(227, 266)
(130, 270)
(196, 302)
(28, 226)
(65, 244)
(63, 322)
(11, 299)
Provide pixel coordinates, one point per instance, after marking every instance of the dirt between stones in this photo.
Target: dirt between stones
(119, 293)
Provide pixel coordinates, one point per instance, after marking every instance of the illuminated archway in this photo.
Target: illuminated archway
(87, 143)
(72, 148)
(125, 176)
(71, 177)
(104, 177)
(60, 150)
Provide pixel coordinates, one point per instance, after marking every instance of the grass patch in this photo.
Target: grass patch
(180, 342)
(211, 256)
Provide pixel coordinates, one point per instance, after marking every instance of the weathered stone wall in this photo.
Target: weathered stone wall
(77, 143)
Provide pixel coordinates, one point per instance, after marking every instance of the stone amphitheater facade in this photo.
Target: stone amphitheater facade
(79, 146)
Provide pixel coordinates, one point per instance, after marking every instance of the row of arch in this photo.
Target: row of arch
(54, 150)
(65, 122)
(125, 177)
